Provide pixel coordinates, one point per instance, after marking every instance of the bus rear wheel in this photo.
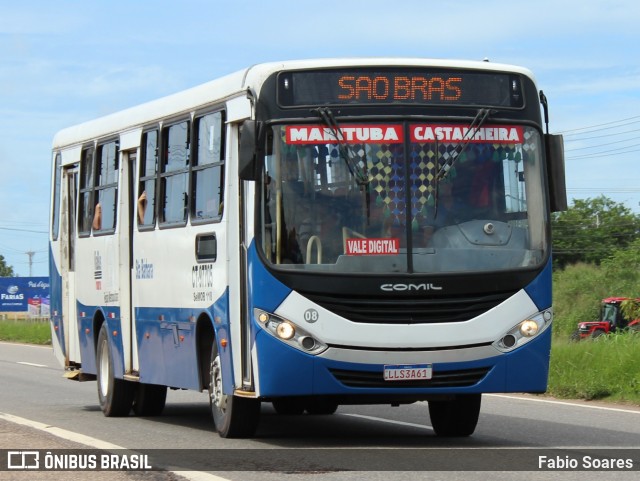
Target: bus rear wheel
(115, 395)
(233, 416)
(456, 417)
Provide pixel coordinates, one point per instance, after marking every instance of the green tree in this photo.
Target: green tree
(5, 270)
(590, 230)
(631, 309)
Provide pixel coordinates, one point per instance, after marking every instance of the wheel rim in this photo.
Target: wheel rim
(104, 369)
(218, 398)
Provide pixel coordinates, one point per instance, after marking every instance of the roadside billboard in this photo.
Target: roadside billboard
(25, 294)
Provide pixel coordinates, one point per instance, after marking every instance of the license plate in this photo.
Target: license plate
(411, 372)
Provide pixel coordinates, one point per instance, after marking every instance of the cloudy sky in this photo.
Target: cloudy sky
(63, 62)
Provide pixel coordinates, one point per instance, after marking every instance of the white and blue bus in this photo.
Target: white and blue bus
(311, 234)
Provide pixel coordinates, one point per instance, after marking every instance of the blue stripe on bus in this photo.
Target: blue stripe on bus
(168, 346)
(540, 290)
(88, 335)
(265, 291)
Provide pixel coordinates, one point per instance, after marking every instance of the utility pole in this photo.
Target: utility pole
(30, 254)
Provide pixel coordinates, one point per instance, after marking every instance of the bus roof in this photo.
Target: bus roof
(235, 84)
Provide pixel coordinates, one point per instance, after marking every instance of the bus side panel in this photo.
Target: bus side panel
(88, 337)
(171, 291)
(179, 346)
(150, 353)
(97, 299)
(157, 338)
(167, 347)
(114, 328)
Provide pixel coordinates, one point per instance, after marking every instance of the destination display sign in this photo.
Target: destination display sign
(410, 86)
(350, 134)
(394, 134)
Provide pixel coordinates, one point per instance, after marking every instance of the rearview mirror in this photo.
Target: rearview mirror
(554, 148)
(247, 154)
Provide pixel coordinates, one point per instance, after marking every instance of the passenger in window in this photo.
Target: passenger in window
(142, 206)
(97, 217)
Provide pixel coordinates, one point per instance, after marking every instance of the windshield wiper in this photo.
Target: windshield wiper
(356, 166)
(475, 124)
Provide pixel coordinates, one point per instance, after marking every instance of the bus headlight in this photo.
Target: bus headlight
(524, 331)
(529, 328)
(289, 333)
(285, 330)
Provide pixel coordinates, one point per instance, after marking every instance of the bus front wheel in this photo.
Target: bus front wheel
(233, 416)
(115, 395)
(455, 417)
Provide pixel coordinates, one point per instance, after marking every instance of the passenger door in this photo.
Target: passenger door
(68, 263)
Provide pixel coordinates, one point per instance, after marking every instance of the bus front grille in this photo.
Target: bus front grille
(369, 379)
(408, 310)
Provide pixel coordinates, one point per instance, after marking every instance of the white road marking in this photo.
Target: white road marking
(98, 444)
(390, 421)
(30, 364)
(22, 344)
(565, 403)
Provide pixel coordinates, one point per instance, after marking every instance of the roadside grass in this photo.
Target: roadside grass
(26, 331)
(605, 368)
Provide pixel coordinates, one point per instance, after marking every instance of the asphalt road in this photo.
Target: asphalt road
(39, 409)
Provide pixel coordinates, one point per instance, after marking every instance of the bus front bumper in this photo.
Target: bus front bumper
(359, 374)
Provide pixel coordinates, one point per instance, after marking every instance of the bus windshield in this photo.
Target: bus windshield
(418, 197)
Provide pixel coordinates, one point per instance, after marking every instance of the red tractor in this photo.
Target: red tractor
(611, 320)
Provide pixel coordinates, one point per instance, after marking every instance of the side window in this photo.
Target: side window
(146, 209)
(208, 168)
(86, 207)
(55, 217)
(175, 174)
(106, 187)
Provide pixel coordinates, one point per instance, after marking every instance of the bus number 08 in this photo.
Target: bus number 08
(311, 315)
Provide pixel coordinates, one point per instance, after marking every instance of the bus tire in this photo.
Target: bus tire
(149, 399)
(115, 395)
(456, 417)
(233, 416)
